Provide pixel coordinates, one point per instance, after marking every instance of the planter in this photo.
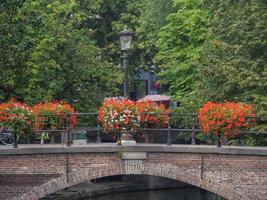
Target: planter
(127, 139)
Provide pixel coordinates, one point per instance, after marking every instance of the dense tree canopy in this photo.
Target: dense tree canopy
(69, 50)
(48, 52)
(180, 43)
(233, 62)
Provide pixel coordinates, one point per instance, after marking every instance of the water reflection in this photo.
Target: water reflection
(133, 187)
(191, 193)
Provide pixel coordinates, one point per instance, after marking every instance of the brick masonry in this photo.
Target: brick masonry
(234, 177)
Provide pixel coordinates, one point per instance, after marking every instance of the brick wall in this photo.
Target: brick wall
(231, 176)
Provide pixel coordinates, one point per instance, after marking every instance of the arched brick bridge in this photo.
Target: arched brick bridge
(235, 173)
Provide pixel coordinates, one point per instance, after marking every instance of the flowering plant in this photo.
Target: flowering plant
(152, 114)
(54, 115)
(119, 116)
(16, 116)
(224, 119)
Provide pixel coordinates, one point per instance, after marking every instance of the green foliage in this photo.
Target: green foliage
(233, 63)
(49, 53)
(14, 50)
(69, 50)
(180, 43)
(153, 17)
(215, 50)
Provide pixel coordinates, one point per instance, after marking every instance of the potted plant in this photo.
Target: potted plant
(224, 120)
(152, 115)
(120, 116)
(54, 116)
(17, 117)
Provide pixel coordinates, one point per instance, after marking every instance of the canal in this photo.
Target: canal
(164, 194)
(133, 187)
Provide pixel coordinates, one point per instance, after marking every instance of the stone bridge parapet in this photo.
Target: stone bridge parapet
(32, 172)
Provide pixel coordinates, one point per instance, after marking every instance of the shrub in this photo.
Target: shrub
(224, 119)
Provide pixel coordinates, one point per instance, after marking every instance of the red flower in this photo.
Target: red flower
(152, 114)
(16, 116)
(225, 119)
(53, 115)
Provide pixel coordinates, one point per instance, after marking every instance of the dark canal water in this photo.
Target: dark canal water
(133, 187)
(168, 194)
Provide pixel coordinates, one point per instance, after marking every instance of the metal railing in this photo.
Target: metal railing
(177, 124)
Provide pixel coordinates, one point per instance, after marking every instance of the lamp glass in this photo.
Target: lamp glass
(125, 42)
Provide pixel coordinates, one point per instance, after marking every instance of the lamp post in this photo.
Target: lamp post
(125, 40)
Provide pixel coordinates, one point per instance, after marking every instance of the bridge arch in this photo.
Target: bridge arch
(168, 171)
(234, 173)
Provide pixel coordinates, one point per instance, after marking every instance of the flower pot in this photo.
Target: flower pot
(127, 139)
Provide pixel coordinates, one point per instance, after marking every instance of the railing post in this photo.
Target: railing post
(239, 143)
(146, 137)
(193, 140)
(169, 140)
(68, 131)
(15, 145)
(98, 138)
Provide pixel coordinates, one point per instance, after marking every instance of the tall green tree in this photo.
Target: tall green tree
(180, 44)
(61, 58)
(153, 17)
(15, 49)
(233, 64)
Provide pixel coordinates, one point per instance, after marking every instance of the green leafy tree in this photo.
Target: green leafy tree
(233, 63)
(180, 44)
(14, 50)
(152, 18)
(55, 55)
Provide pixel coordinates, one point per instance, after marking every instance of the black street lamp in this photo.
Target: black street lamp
(125, 39)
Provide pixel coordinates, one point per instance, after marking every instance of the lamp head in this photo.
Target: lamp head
(125, 39)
